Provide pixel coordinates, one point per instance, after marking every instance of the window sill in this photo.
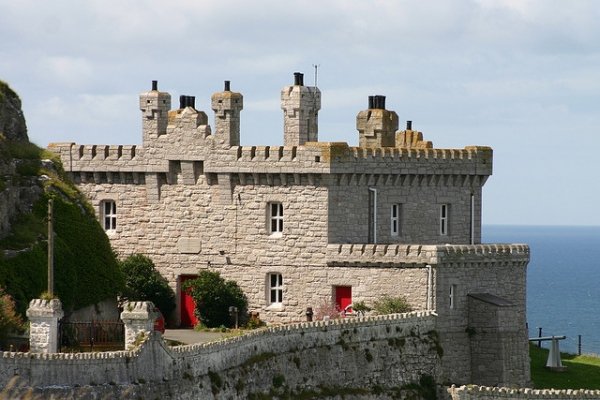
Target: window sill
(275, 307)
(276, 235)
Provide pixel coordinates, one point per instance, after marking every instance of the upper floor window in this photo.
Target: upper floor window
(108, 209)
(275, 218)
(275, 288)
(444, 212)
(396, 219)
(452, 296)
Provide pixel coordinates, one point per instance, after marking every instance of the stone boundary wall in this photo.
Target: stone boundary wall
(391, 350)
(501, 393)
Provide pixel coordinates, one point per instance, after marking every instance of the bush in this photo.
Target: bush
(213, 296)
(144, 283)
(9, 319)
(392, 305)
(327, 310)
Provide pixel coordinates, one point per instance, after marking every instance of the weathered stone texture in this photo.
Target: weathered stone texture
(389, 352)
(43, 318)
(193, 200)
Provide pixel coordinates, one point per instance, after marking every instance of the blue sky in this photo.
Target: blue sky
(520, 76)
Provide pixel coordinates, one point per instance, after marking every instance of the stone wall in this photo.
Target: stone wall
(473, 392)
(385, 352)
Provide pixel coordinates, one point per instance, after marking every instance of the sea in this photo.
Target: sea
(563, 281)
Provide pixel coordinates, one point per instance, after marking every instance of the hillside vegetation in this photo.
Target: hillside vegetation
(86, 270)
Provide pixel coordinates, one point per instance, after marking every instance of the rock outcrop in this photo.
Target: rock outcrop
(12, 120)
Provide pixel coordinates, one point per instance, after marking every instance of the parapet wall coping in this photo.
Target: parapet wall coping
(415, 317)
(527, 393)
(420, 253)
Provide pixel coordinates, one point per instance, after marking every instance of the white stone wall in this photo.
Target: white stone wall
(474, 392)
(43, 318)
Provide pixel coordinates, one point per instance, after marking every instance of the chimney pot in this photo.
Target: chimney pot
(371, 102)
(298, 79)
(227, 86)
(154, 85)
(409, 125)
(181, 101)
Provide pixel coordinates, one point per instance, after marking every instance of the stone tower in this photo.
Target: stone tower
(155, 108)
(377, 126)
(227, 106)
(300, 105)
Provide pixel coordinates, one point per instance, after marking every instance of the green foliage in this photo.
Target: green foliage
(360, 307)
(9, 320)
(392, 305)
(213, 297)
(86, 270)
(143, 282)
(582, 372)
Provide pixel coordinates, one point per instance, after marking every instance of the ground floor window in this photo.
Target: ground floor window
(275, 281)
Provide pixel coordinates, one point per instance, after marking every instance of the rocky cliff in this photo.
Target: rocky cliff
(18, 192)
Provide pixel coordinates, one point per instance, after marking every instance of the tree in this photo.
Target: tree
(213, 296)
(143, 282)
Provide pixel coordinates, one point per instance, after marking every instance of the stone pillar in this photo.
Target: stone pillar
(43, 325)
(377, 126)
(138, 317)
(300, 105)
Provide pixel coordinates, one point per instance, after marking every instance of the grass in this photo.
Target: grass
(583, 372)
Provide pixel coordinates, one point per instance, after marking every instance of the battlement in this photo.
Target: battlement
(366, 254)
(475, 392)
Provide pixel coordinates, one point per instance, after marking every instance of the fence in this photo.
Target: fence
(91, 336)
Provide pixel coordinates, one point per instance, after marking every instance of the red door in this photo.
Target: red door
(188, 318)
(343, 297)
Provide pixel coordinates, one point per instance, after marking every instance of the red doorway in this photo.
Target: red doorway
(343, 297)
(187, 304)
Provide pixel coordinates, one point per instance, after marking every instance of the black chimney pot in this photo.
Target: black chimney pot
(227, 86)
(409, 125)
(154, 85)
(298, 79)
(181, 101)
(371, 102)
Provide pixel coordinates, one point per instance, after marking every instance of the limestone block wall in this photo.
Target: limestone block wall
(499, 270)
(387, 352)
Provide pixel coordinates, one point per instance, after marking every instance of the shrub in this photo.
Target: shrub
(144, 283)
(392, 305)
(9, 319)
(360, 308)
(213, 296)
(327, 310)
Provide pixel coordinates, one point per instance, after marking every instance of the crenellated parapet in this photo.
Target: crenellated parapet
(419, 255)
(475, 392)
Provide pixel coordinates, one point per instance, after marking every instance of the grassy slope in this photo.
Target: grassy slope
(583, 372)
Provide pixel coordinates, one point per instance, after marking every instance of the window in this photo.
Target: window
(108, 210)
(444, 209)
(396, 219)
(275, 288)
(452, 295)
(275, 218)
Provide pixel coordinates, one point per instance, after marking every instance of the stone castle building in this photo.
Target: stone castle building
(312, 222)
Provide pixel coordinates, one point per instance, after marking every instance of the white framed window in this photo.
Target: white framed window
(444, 212)
(396, 219)
(275, 218)
(275, 289)
(108, 211)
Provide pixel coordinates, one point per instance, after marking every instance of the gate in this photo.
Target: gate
(91, 336)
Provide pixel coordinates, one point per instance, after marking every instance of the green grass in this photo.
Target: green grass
(583, 372)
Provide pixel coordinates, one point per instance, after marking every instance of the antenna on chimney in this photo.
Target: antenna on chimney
(316, 67)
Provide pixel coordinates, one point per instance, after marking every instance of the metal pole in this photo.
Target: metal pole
(579, 345)
(540, 335)
(50, 249)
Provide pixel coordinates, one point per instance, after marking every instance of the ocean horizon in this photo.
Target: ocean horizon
(563, 280)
